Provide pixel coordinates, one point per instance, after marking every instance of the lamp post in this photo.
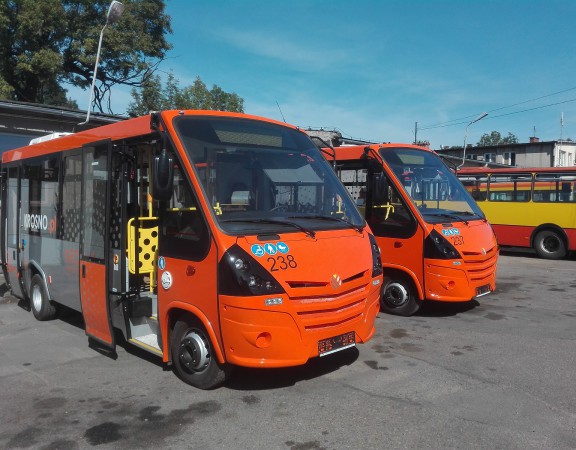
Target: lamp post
(114, 12)
(480, 117)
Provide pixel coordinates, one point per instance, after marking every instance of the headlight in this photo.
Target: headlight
(437, 246)
(240, 274)
(376, 259)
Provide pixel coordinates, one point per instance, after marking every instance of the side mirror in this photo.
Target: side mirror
(162, 176)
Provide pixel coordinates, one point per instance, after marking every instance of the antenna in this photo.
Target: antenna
(280, 109)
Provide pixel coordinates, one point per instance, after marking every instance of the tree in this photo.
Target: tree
(495, 138)
(153, 96)
(47, 44)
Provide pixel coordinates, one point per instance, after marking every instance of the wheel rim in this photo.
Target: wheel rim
(193, 352)
(36, 296)
(396, 295)
(551, 244)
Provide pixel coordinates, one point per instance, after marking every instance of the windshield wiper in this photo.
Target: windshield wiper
(306, 231)
(358, 228)
(452, 216)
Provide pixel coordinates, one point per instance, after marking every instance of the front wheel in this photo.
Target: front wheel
(549, 245)
(399, 297)
(41, 305)
(193, 358)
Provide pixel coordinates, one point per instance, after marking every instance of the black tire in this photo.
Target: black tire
(549, 245)
(399, 297)
(42, 307)
(193, 358)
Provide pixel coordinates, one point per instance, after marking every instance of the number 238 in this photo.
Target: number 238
(458, 240)
(282, 263)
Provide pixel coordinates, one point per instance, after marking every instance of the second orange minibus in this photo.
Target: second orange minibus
(209, 239)
(436, 243)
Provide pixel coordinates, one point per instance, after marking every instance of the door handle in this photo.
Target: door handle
(83, 271)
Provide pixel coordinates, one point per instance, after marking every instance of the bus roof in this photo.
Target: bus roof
(356, 151)
(115, 131)
(488, 170)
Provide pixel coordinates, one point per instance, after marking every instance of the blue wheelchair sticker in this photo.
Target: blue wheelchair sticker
(451, 232)
(257, 250)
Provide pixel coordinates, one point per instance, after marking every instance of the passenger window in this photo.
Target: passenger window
(510, 188)
(476, 185)
(387, 214)
(554, 188)
(184, 232)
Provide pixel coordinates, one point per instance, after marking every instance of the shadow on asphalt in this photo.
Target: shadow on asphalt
(70, 316)
(245, 379)
(445, 309)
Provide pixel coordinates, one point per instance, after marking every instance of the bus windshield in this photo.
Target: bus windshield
(263, 177)
(431, 185)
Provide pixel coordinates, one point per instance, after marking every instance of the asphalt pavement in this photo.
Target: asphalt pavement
(496, 373)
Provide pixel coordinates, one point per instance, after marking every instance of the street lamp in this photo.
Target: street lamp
(480, 117)
(114, 12)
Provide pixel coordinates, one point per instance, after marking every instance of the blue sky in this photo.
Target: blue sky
(372, 68)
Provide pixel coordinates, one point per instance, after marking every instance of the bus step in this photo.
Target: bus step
(148, 342)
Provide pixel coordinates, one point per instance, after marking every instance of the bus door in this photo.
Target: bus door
(395, 227)
(13, 239)
(94, 248)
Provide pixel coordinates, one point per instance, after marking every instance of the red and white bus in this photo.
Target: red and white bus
(210, 239)
(528, 207)
(436, 243)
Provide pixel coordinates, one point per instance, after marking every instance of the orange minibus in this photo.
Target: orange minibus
(435, 241)
(209, 239)
(528, 207)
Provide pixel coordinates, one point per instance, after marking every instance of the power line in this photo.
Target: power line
(463, 120)
(501, 115)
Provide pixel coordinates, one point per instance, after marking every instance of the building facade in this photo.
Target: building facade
(21, 122)
(531, 154)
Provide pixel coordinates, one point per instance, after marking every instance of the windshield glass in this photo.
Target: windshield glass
(264, 178)
(432, 187)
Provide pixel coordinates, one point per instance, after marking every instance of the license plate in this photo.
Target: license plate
(336, 343)
(483, 290)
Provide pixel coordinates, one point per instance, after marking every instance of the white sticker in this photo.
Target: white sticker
(166, 280)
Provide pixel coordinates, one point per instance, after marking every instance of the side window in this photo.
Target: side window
(387, 212)
(94, 201)
(354, 178)
(184, 232)
(510, 188)
(71, 189)
(555, 188)
(12, 208)
(39, 219)
(477, 186)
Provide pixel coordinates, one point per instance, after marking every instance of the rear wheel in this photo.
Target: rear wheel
(40, 303)
(399, 297)
(193, 358)
(549, 245)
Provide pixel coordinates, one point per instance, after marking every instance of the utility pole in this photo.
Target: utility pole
(415, 132)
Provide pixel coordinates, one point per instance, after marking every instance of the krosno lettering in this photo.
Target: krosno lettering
(35, 222)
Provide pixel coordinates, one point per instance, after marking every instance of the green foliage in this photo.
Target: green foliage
(47, 44)
(6, 92)
(495, 138)
(155, 97)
